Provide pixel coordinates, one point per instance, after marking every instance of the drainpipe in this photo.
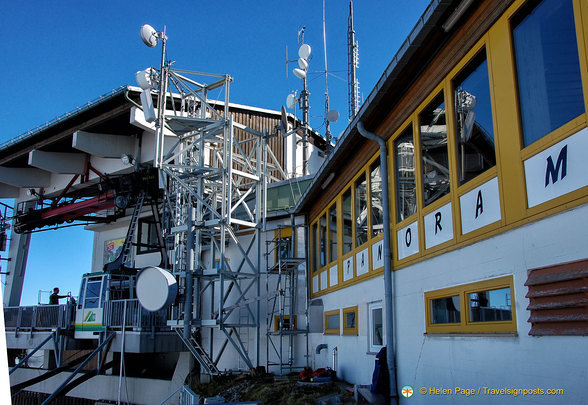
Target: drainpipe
(388, 275)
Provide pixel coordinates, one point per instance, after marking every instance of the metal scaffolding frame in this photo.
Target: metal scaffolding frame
(213, 177)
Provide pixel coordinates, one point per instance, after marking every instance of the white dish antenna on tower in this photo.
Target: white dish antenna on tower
(333, 116)
(304, 51)
(156, 288)
(299, 73)
(148, 35)
(291, 100)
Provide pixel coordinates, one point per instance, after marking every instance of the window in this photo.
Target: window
(347, 222)
(434, 157)
(405, 180)
(148, 237)
(376, 327)
(473, 120)
(488, 308)
(332, 322)
(333, 233)
(361, 211)
(350, 321)
(547, 67)
(323, 241)
(285, 246)
(376, 198)
(314, 247)
(92, 296)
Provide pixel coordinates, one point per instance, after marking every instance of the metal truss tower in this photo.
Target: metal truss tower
(213, 175)
(352, 65)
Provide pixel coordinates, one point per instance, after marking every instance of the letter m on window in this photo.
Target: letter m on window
(551, 172)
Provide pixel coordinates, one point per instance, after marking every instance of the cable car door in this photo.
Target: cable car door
(89, 312)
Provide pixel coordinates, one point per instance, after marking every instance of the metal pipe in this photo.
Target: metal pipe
(388, 274)
(189, 278)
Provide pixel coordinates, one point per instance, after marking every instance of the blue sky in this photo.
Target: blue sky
(59, 55)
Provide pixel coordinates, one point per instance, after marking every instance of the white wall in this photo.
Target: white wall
(520, 361)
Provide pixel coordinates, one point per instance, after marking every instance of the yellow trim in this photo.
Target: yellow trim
(466, 325)
(332, 331)
(510, 155)
(353, 329)
(283, 233)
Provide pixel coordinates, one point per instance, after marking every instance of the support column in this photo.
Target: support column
(18, 254)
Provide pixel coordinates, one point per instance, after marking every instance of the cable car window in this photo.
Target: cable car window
(92, 298)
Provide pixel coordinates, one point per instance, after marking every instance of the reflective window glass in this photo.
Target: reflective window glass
(492, 305)
(361, 214)
(333, 233)
(347, 222)
(376, 198)
(323, 240)
(547, 66)
(434, 157)
(405, 181)
(473, 120)
(446, 310)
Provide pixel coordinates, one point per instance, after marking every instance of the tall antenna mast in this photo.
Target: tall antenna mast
(353, 64)
(328, 134)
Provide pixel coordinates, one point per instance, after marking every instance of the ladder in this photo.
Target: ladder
(199, 353)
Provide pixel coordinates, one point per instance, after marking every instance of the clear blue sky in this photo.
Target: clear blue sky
(59, 55)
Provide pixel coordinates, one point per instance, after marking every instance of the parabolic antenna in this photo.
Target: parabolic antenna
(156, 288)
(144, 79)
(299, 73)
(332, 116)
(290, 101)
(302, 63)
(148, 35)
(304, 51)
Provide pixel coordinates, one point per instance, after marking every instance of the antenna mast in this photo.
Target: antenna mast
(328, 134)
(353, 64)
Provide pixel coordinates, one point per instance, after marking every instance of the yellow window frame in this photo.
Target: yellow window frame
(466, 325)
(332, 331)
(350, 330)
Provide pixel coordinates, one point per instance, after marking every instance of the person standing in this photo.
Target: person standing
(54, 298)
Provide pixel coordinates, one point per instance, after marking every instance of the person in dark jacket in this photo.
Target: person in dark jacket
(54, 298)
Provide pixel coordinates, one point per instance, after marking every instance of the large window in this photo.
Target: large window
(314, 247)
(547, 67)
(405, 180)
(473, 120)
(488, 305)
(350, 321)
(361, 211)
(333, 233)
(323, 240)
(434, 157)
(347, 222)
(376, 198)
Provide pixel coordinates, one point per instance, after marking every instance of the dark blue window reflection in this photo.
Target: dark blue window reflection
(548, 69)
(473, 120)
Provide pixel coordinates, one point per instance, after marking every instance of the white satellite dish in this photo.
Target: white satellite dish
(332, 116)
(156, 288)
(290, 101)
(148, 35)
(304, 51)
(302, 63)
(299, 73)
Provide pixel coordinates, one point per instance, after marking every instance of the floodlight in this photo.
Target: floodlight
(149, 35)
(299, 73)
(304, 51)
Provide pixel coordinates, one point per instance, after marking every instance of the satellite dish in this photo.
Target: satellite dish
(290, 101)
(302, 63)
(284, 121)
(299, 73)
(148, 35)
(332, 116)
(156, 288)
(304, 51)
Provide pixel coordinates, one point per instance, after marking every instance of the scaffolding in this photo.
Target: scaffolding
(283, 319)
(213, 177)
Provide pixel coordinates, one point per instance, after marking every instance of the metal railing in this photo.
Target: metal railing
(39, 317)
(132, 315)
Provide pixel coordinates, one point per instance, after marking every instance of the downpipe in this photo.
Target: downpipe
(388, 275)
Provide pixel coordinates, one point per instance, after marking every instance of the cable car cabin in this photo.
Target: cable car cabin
(97, 289)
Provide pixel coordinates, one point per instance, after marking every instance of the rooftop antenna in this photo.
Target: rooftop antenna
(330, 115)
(353, 64)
